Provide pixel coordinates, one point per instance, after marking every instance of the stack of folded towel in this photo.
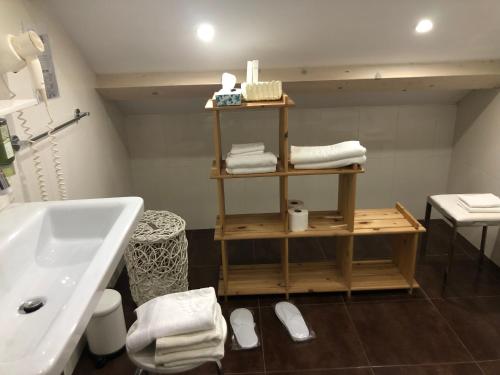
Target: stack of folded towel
(250, 158)
(332, 156)
(188, 328)
(479, 203)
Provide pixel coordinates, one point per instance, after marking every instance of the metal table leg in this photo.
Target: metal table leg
(423, 247)
(450, 254)
(483, 245)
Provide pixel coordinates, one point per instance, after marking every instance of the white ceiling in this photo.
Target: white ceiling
(118, 36)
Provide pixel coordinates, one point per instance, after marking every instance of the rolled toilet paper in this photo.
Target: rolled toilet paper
(298, 219)
(295, 203)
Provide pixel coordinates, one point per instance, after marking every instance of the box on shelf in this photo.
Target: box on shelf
(226, 98)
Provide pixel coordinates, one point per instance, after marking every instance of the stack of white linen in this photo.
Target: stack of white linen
(479, 203)
(187, 327)
(250, 158)
(332, 156)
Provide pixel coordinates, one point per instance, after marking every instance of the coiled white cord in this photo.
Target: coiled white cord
(56, 158)
(42, 184)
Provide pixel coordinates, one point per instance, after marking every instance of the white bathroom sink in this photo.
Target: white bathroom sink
(63, 253)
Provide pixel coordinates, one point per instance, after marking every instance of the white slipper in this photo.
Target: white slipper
(244, 328)
(292, 319)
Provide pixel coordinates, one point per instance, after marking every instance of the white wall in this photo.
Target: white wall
(409, 151)
(94, 156)
(476, 157)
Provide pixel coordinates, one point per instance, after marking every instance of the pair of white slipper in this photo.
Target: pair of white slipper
(243, 324)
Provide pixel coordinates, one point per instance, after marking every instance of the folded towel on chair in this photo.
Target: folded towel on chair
(267, 159)
(191, 341)
(195, 354)
(251, 170)
(318, 154)
(173, 314)
(332, 164)
(480, 200)
(478, 209)
(247, 148)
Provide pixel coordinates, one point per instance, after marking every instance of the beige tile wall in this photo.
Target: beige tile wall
(409, 151)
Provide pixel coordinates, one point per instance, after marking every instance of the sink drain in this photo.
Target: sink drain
(31, 305)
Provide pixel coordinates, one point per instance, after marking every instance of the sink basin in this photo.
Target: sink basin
(62, 255)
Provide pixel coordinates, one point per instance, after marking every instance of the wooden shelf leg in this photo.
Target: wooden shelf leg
(404, 249)
(343, 254)
(347, 198)
(225, 266)
(285, 265)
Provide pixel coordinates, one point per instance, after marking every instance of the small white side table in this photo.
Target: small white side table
(447, 205)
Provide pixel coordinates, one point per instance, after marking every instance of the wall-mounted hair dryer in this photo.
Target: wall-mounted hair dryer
(25, 49)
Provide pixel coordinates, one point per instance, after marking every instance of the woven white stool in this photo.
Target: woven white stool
(447, 205)
(156, 257)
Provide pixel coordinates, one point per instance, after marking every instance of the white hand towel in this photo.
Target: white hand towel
(251, 170)
(173, 314)
(191, 341)
(212, 353)
(332, 164)
(478, 210)
(245, 148)
(480, 200)
(318, 154)
(229, 154)
(267, 159)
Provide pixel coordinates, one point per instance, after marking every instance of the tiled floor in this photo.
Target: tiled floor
(378, 333)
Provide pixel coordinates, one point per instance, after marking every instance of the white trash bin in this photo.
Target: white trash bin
(106, 332)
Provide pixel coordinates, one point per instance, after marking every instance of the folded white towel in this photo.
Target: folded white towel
(251, 170)
(478, 209)
(229, 154)
(191, 341)
(480, 200)
(211, 353)
(246, 148)
(173, 314)
(267, 159)
(318, 154)
(332, 164)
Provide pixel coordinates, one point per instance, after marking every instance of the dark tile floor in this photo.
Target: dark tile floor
(455, 332)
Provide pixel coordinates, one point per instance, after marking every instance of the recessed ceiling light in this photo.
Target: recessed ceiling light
(205, 32)
(424, 26)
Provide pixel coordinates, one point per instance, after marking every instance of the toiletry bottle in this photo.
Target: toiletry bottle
(6, 150)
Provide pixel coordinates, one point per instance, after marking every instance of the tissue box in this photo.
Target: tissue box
(228, 98)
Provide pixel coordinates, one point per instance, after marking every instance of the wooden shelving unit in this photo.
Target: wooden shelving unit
(343, 274)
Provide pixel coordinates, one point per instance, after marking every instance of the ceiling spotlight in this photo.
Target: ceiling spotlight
(205, 32)
(424, 26)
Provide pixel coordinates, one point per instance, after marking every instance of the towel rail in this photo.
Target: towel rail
(17, 143)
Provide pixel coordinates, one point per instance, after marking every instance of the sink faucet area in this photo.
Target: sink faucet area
(56, 259)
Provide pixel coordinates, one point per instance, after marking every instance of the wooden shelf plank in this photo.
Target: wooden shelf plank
(265, 104)
(312, 277)
(253, 279)
(280, 171)
(377, 275)
(316, 277)
(321, 223)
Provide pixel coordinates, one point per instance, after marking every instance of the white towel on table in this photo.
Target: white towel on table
(191, 341)
(318, 154)
(332, 164)
(267, 159)
(251, 170)
(480, 200)
(212, 353)
(478, 209)
(173, 314)
(246, 148)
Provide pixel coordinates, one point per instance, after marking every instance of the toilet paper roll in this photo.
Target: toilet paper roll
(295, 203)
(298, 219)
